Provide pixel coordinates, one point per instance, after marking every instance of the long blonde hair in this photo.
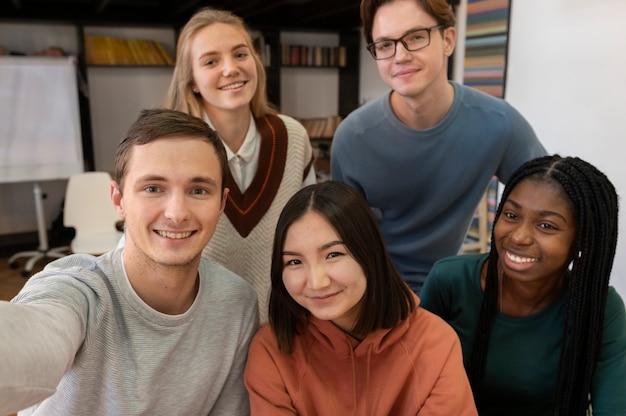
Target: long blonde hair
(180, 95)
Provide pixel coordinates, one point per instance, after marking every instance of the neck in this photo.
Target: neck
(232, 126)
(520, 299)
(425, 110)
(167, 289)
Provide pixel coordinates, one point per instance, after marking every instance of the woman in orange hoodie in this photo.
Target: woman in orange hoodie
(346, 335)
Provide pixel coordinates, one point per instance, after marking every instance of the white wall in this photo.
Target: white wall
(117, 95)
(566, 74)
(309, 92)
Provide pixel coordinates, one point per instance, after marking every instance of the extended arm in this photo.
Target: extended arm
(39, 342)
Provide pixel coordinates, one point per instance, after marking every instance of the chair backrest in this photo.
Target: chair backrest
(88, 207)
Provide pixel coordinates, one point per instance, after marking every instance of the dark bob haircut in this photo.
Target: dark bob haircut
(387, 299)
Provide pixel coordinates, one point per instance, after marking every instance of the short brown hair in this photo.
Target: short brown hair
(154, 124)
(439, 9)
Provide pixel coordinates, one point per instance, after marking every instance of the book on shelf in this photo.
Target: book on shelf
(107, 50)
(319, 56)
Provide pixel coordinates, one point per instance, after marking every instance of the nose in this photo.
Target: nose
(176, 208)
(317, 278)
(230, 67)
(402, 53)
(522, 234)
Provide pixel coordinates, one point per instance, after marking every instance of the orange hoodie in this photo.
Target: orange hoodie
(415, 368)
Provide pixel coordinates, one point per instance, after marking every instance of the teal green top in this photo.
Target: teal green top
(523, 357)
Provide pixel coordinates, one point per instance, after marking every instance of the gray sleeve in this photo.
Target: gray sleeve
(38, 345)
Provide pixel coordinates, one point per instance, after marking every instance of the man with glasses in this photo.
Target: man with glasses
(424, 153)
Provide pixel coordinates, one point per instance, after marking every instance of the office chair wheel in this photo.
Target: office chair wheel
(25, 273)
(14, 265)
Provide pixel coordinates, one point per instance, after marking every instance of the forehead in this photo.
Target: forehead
(215, 37)
(542, 195)
(311, 227)
(178, 157)
(395, 18)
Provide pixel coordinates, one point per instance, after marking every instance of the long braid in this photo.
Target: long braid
(594, 201)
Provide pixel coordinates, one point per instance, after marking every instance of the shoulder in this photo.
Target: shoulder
(478, 101)
(364, 117)
(614, 305)
(264, 339)
(428, 330)
(454, 277)
(471, 95)
(454, 266)
(77, 270)
(264, 348)
(293, 126)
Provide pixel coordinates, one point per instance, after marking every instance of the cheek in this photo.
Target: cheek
(562, 250)
(498, 231)
(293, 282)
(383, 67)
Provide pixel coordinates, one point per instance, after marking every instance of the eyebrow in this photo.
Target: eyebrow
(159, 178)
(209, 53)
(544, 213)
(322, 248)
(384, 38)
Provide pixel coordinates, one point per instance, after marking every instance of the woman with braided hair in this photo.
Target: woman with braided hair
(542, 331)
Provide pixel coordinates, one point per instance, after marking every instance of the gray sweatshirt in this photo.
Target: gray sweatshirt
(77, 340)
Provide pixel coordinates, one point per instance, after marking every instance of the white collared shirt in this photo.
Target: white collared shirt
(243, 164)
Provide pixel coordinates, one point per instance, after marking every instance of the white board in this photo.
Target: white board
(40, 136)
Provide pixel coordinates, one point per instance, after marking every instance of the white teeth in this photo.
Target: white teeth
(233, 86)
(521, 260)
(175, 236)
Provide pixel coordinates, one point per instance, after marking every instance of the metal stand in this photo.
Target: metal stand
(43, 250)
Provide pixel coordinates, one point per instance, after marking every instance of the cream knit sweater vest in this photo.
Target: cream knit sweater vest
(250, 256)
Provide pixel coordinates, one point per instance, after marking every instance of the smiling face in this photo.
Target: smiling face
(319, 272)
(535, 233)
(171, 201)
(224, 72)
(412, 73)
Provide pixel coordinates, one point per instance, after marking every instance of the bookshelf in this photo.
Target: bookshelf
(316, 64)
(313, 56)
(128, 46)
(321, 131)
(109, 50)
(312, 76)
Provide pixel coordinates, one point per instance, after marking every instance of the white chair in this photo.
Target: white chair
(89, 210)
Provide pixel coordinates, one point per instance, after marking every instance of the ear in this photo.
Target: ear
(117, 199)
(449, 40)
(224, 199)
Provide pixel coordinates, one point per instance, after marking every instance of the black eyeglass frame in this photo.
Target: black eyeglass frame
(372, 46)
